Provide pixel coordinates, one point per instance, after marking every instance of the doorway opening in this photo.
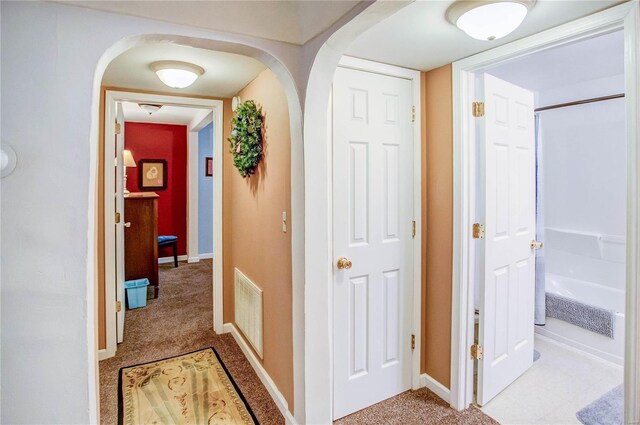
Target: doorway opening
(133, 250)
(185, 312)
(551, 195)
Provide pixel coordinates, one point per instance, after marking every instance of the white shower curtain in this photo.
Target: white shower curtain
(539, 315)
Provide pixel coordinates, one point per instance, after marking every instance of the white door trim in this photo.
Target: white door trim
(200, 121)
(322, 343)
(192, 195)
(624, 16)
(216, 108)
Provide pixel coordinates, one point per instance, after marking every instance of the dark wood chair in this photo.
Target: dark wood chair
(171, 241)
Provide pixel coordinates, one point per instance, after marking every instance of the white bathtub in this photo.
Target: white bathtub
(596, 295)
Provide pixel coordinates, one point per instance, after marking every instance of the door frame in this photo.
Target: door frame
(622, 17)
(199, 122)
(324, 371)
(216, 107)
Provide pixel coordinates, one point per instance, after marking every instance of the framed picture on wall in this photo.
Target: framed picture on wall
(208, 166)
(152, 174)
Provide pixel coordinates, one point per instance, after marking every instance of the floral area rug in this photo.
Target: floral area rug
(194, 388)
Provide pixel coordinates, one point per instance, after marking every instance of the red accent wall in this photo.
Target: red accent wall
(168, 142)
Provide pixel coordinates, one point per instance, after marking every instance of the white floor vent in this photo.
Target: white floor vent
(248, 310)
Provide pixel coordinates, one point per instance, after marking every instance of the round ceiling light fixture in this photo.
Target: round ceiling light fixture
(176, 74)
(149, 108)
(488, 19)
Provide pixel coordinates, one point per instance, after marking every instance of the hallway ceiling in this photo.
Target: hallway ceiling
(290, 21)
(224, 76)
(419, 37)
(166, 115)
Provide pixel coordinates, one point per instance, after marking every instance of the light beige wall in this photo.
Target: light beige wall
(253, 238)
(437, 216)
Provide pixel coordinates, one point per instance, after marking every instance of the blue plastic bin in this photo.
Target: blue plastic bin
(136, 293)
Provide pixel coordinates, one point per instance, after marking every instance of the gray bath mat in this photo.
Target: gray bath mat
(607, 410)
(594, 319)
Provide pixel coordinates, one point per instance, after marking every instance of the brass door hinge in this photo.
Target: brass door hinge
(413, 342)
(477, 108)
(413, 229)
(478, 231)
(117, 217)
(477, 352)
(413, 114)
(118, 306)
(118, 128)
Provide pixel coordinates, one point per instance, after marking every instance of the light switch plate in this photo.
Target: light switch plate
(284, 222)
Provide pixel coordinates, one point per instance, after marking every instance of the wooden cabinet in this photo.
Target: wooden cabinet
(141, 238)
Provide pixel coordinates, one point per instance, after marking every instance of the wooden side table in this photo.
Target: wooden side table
(141, 238)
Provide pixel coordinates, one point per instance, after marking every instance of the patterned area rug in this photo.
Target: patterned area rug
(193, 388)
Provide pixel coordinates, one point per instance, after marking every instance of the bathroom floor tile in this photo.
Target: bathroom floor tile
(555, 388)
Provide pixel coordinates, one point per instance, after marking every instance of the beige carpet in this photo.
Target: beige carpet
(415, 407)
(181, 321)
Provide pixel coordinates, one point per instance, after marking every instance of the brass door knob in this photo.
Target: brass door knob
(536, 245)
(344, 263)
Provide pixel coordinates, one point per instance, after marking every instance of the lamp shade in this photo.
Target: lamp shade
(128, 158)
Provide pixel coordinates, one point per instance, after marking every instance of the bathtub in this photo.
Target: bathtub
(593, 294)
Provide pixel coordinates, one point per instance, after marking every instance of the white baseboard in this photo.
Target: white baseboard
(164, 260)
(206, 256)
(193, 260)
(271, 387)
(104, 354)
(435, 386)
(577, 347)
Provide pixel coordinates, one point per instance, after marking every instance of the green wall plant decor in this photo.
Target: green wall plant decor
(245, 142)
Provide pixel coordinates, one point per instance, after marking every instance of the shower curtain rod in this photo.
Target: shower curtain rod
(580, 102)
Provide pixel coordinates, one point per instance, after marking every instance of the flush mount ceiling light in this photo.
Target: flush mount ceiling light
(149, 107)
(488, 19)
(176, 74)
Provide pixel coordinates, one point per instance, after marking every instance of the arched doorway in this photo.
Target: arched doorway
(293, 221)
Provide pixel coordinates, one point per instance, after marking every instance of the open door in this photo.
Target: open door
(507, 276)
(119, 229)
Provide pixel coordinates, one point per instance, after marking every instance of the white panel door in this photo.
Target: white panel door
(508, 276)
(372, 216)
(120, 226)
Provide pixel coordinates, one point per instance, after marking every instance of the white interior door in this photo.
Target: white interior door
(119, 229)
(508, 276)
(372, 222)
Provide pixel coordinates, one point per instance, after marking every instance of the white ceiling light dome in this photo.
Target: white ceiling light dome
(488, 19)
(149, 108)
(176, 74)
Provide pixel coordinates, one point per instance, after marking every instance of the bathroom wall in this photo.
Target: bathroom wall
(584, 177)
(205, 192)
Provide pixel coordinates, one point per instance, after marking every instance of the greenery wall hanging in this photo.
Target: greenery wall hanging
(245, 142)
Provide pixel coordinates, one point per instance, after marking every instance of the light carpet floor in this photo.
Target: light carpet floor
(415, 407)
(180, 321)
